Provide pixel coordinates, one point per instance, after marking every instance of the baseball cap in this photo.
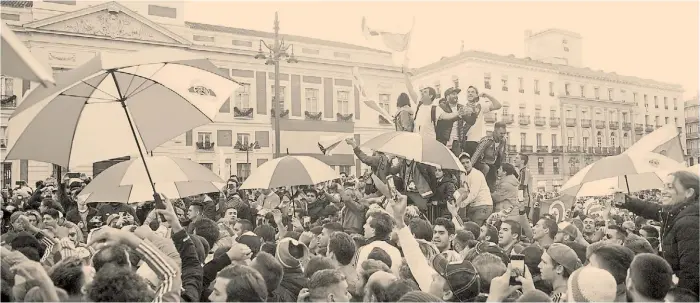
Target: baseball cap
(564, 256)
(462, 277)
(452, 90)
(567, 228)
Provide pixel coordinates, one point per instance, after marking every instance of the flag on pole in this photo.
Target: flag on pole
(360, 85)
(393, 41)
(558, 207)
(665, 141)
(328, 143)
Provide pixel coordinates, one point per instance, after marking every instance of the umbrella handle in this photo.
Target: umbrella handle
(628, 185)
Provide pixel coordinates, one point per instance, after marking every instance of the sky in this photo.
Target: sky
(654, 40)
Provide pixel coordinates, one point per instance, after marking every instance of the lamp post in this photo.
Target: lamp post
(247, 148)
(277, 52)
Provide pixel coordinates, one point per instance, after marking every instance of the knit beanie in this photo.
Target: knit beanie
(419, 296)
(590, 284)
(290, 252)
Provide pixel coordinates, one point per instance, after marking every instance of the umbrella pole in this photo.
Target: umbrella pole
(627, 182)
(122, 100)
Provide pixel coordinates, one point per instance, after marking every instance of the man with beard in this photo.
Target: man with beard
(451, 134)
(443, 234)
(86, 217)
(544, 232)
(474, 117)
(588, 228)
(490, 154)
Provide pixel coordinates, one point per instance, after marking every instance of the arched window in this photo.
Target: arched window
(599, 139)
(613, 138)
(625, 140)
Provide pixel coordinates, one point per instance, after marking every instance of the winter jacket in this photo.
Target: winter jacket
(93, 218)
(404, 119)
(380, 164)
(192, 271)
(506, 193)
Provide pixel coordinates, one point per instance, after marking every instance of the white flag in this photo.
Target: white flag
(328, 143)
(364, 97)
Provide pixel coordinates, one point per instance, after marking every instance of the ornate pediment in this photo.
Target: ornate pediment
(111, 20)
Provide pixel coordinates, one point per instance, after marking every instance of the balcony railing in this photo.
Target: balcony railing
(557, 149)
(243, 113)
(649, 128)
(490, 118)
(508, 119)
(638, 128)
(556, 121)
(573, 149)
(600, 124)
(659, 125)
(512, 149)
(614, 125)
(626, 125)
(524, 120)
(542, 149)
(205, 146)
(3, 143)
(586, 123)
(570, 122)
(693, 135)
(8, 101)
(540, 121)
(526, 149)
(692, 118)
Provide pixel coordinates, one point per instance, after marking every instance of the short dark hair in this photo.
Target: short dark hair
(68, 275)
(246, 284)
(515, 228)
(619, 229)
(500, 124)
(651, 275)
(206, 228)
(266, 232)
(421, 229)
(269, 268)
(118, 284)
(321, 280)
(689, 181)
(615, 259)
(343, 247)
(432, 93)
(245, 224)
(333, 226)
(316, 264)
(380, 255)
(650, 230)
(449, 226)
(551, 225)
(403, 100)
(54, 213)
(382, 223)
(525, 158)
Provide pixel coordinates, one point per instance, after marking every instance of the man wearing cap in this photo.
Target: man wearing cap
(557, 264)
(449, 133)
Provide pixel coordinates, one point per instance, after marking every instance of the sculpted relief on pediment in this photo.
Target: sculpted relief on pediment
(112, 25)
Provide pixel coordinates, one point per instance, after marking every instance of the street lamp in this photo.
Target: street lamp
(277, 52)
(247, 148)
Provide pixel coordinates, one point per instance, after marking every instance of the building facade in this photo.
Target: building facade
(317, 94)
(692, 131)
(562, 115)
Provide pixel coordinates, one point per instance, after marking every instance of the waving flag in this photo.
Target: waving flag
(665, 141)
(328, 143)
(393, 41)
(558, 207)
(360, 85)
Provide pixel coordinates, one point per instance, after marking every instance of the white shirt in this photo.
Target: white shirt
(453, 133)
(477, 131)
(393, 252)
(479, 193)
(423, 124)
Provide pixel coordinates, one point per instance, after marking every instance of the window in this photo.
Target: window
(555, 165)
(623, 94)
(520, 85)
(201, 38)
(675, 103)
(634, 97)
(487, 80)
(626, 140)
(204, 137)
(61, 2)
(283, 96)
(241, 43)
(210, 166)
(657, 120)
(552, 112)
(162, 11)
(554, 139)
(345, 169)
(613, 138)
(656, 102)
(341, 55)
(243, 138)
(538, 113)
(242, 96)
(540, 165)
(666, 102)
(311, 100)
(585, 142)
(646, 101)
(566, 89)
(610, 94)
(613, 116)
(646, 119)
(599, 139)
(243, 170)
(523, 139)
(537, 87)
(343, 102)
(666, 120)
(675, 121)
(538, 137)
(504, 83)
(551, 88)
(583, 91)
(624, 117)
(570, 114)
(505, 111)
(384, 102)
(596, 93)
(570, 141)
(7, 86)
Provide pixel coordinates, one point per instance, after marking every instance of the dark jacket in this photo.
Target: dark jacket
(380, 164)
(680, 244)
(192, 271)
(293, 280)
(320, 209)
(210, 271)
(94, 219)
(443, 129)
(446, 188)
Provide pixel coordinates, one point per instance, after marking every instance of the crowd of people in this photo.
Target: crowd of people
(403, 232)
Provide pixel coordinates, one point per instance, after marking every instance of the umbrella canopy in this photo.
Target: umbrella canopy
(637, 170)
(665, 140)
(96, 111)
(413, 146)
(290, 171)
(127, 181)
(18, 61)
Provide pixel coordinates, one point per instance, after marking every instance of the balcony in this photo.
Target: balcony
(556, 121)
(600, 124)
(542, 149)
(205, 146)
(508, 119)
(490, 118)
(691, 118)
(283, 114)
(243, 113)
(595, 150)
(616, 150)
(626, 126)
(8, 101)
(659, 125)
(649, 128)
(571, 122)
(586, 123)
(526, 149)
(524, 120)
(614, 125)
(557, 149)
(692, 135)
(639, 128)
(540, 121)
(573, 149)
(3, 143)
(512, 149)
(605, 151)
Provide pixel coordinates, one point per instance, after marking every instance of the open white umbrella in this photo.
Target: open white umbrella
(605, 187)
(290, 171)
(18, 61)
(632, 172)
(127, 182)
(413, 146)
(664, 140)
